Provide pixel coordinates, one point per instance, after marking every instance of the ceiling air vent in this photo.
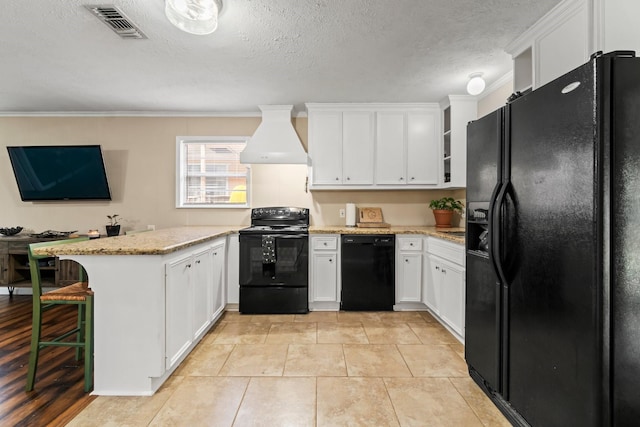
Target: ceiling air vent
(116, 20)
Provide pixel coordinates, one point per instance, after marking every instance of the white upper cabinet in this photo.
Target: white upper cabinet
(357, 147)
(390, 148)
(407, 149)
(422, 148)
(566, 37)
(325, 146)
(374, 146)
(458, 111)
(341, 147)
(563, 48)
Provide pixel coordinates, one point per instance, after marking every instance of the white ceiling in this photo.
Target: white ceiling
(57, 57)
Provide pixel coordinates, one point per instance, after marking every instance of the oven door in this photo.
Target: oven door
(291, 266)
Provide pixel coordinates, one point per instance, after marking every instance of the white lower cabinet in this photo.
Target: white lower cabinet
(432, 285)
(179, 302)
(201, 277)
(219, 285)
(194, 297)
(324, 273)
(444, 287)
(409, 268)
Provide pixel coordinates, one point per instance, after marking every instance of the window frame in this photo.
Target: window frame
(181, 142)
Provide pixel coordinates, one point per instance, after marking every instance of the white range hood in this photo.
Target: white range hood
(275, 140)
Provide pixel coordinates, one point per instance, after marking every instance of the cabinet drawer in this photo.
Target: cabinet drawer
(410, 243)
(324, 243)
(450, 251)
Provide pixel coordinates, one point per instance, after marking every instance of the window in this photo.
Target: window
(209, 172)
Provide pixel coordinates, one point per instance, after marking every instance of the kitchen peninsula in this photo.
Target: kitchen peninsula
(157, 293)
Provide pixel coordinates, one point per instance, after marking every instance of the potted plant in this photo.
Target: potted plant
(443, 210)
(113, 229)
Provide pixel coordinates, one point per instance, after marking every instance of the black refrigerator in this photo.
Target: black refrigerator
(553, 249)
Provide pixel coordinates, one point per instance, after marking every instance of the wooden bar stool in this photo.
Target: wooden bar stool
(76, 294)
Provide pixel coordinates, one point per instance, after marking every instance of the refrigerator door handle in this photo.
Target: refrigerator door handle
(496, 228)
(492, 204)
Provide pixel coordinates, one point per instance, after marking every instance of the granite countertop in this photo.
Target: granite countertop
(168, 240)
(156, 242)
(423, 230)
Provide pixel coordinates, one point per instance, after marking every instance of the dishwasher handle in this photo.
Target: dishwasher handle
(384, 241)
(369, 239)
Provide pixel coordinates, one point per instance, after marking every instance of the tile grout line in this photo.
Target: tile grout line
(467, 402)
(395, 412)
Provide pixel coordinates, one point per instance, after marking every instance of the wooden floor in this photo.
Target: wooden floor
(58, 395)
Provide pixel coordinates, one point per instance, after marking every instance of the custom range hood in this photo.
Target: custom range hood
(275, 140)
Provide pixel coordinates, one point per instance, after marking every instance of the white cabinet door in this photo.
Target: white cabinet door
(390, 148)
(178, 301)
(463, 110)
(357, 148)
(422, 148)
(324, 272)
(325, 276)
(433, 286)
(218, 284)
(202, 292)
(563, 48)
(453, 296)
(325, 146)
(409, 284)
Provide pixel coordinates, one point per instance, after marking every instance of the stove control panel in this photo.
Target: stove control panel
(280, 213)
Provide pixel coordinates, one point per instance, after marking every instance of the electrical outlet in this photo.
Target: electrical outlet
(342, 213)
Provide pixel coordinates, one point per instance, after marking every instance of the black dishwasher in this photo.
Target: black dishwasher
(368, 272)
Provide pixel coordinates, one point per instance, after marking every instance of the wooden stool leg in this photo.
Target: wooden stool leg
(35, 347)
(88, 345)
(79, 336)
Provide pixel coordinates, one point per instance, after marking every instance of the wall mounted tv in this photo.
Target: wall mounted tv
(60, 172)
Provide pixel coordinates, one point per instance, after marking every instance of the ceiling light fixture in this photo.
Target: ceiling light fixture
(476, 84)
(194, 16)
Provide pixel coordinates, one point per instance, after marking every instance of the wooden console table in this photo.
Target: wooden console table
(14, 265)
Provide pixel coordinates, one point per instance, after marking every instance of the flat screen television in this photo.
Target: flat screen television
(60, 172)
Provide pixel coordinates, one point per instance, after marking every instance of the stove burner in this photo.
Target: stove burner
(278, 220)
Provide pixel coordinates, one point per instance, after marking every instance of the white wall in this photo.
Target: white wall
(495, 98)
(140, 160)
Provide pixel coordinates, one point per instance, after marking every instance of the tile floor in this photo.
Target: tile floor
(319, 369)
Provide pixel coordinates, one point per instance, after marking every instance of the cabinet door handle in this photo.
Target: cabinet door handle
(413, 178)
(438, 268)
(337, 179)
(444, 271)
(188, 265)
(348, 179)
(330, 259)
(401, 178)
(411, 244)
(406, 260)
(198, 261)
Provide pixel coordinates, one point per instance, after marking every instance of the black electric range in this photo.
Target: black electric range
(274, 262)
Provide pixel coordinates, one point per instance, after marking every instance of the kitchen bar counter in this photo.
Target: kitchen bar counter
(145, 291)
(158, 242)
(424, 230)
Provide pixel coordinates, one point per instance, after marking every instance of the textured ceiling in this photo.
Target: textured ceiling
(58, 57)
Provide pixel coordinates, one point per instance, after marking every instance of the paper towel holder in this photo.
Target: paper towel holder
(350, 217)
